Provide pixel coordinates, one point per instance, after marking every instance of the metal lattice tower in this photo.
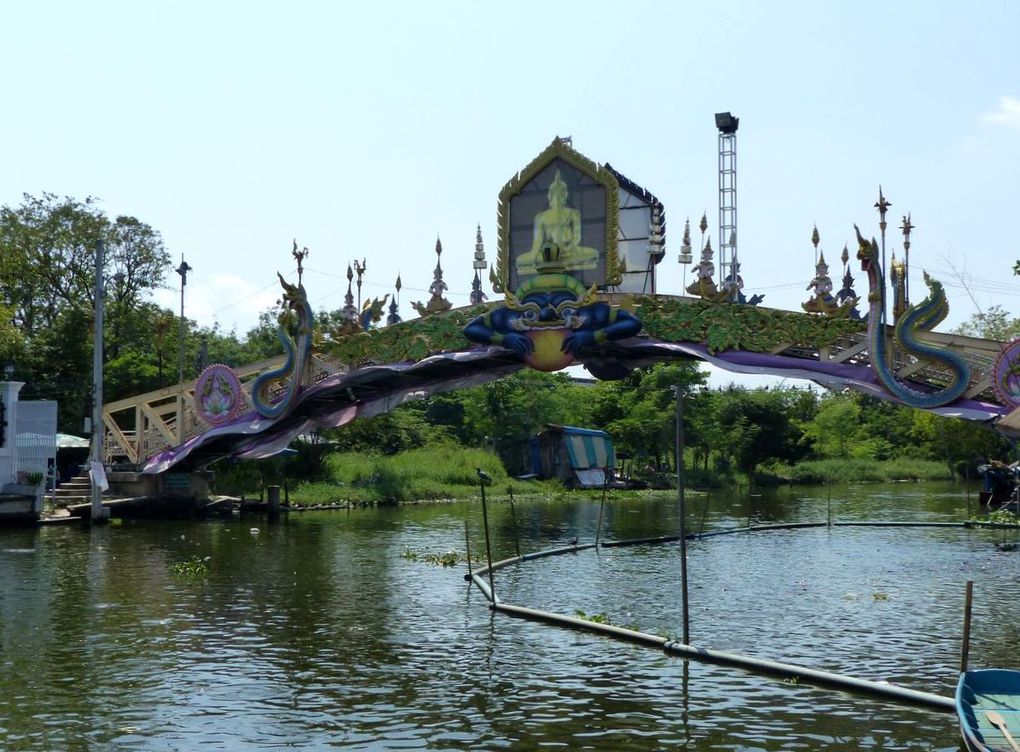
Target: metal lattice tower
(728, 266)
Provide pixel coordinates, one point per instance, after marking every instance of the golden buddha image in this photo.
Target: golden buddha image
(559, 224)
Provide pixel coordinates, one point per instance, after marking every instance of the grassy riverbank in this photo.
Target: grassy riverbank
(449, 471)
(819, 472)
(440, 472)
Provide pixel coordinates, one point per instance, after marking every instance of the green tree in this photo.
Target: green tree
(759, 426)
(509, 410)
(835, 427)
(12, 342)
(993, 323)
(639, 411)
(47, 284)
(399, 430)
(884, 430)
(48, 246)
(57, 365)
(962, 444)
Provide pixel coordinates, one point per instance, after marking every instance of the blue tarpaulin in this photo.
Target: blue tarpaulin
(575, 455)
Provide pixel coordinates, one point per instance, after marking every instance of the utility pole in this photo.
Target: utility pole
(98, 428)
(183, 270)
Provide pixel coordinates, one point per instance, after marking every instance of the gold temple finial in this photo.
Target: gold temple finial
(437, 303)
(394, 316)
(349, 313)
(477, 296)
(479, 262)
(685, 256)
(360, 270)
(704, 222)
(907, 226)
(299, 256)
(883, 206)
(845, 258)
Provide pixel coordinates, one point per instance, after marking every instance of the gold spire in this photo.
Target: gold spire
(883, 206)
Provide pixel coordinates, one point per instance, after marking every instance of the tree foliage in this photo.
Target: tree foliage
(639, 411)
(505, 412)
(48, 247)
(993, 323)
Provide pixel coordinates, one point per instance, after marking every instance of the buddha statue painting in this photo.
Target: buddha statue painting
(559, 224)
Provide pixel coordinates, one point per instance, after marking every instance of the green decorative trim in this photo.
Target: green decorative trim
(558, 149)
(720, 326)
(727, 326)
(408, 341)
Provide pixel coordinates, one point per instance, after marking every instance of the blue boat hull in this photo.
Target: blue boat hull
(978, 692)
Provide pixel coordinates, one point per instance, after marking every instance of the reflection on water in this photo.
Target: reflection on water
(316, 633)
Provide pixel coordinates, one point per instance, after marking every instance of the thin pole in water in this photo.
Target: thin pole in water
(704, 515)
(467, 546)
(488, 546)
(513, 521)
(602, 505)
(829, 503)
(965, 651)
(99, 512)
(966, 485)
(682, 509)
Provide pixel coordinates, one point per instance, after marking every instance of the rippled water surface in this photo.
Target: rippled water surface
(320, 632)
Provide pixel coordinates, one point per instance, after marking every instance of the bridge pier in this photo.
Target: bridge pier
(160, 486)
(273, 500)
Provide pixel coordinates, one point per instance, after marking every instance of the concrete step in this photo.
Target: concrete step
(77, 490)
(74, 488)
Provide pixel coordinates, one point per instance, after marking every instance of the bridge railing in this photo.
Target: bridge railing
(140, 426)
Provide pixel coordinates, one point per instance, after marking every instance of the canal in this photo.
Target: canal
(331, 630)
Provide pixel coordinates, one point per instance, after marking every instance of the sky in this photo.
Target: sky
(364, 131)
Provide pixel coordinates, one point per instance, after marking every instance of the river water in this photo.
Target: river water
(330, 630)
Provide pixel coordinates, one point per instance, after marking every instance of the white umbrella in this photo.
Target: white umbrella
(67, 441)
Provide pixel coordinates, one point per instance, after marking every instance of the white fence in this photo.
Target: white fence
(35, 437)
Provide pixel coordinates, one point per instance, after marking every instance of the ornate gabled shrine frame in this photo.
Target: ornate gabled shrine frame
(558, 230)
(562, 181)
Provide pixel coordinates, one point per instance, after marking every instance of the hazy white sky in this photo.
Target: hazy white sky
(364, 130)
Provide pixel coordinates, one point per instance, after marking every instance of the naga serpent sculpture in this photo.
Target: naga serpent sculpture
(921, 317)
(298, 351)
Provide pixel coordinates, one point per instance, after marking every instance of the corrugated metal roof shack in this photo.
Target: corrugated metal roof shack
(577, 456)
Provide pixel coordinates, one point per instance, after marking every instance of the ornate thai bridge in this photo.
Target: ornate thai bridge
(372, 372)
(571, 298)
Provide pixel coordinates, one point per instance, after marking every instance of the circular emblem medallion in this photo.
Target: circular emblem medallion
(1006, 374)
(217, 394)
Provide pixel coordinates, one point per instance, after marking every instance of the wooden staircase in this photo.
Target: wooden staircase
(78, 490)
